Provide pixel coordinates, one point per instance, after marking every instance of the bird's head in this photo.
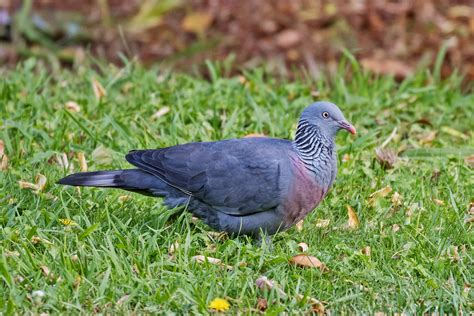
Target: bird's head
(327, 117)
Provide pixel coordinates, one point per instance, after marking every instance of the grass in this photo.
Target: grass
(116, 258)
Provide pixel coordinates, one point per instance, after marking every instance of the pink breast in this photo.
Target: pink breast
(304, 194)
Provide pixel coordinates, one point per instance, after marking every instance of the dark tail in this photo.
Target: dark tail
(129, 179)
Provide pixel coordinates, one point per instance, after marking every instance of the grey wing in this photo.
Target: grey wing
(227, 176)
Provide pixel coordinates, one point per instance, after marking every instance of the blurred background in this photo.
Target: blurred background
(287, 36)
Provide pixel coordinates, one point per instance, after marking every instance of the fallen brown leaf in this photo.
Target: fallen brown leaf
(173, 248)
(122, 299)
(62, 161)
(3, 162)
(82, 161)
(215, 261)
(438, 202)
(428, 138)
(124, 198)
(396, 68)
(288, 38)
(308, 261)
(299, 226)
(346, 158)
(469, 160)
(386, 157)
(366, 251)
(303, 247)
(40, 182)
(197, 22)
(379, 194)
(254, 135)
(27, 185)
(2, 147)
(395, 228)
(164, 110)
(353, 222)
(72, 106)
(45, 270)
(262, 304)
(321, 223)
(396, 199)
(99, 90)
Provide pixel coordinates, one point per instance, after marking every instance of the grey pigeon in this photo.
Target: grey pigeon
(240, 186)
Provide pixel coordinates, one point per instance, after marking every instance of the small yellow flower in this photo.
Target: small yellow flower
(67, 222)
(219, 304)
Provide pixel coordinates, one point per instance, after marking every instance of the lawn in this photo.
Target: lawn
(66, 250)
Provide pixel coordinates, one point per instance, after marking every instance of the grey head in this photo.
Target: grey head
(327, 117)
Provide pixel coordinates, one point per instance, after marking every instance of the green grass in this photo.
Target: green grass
(121, 248)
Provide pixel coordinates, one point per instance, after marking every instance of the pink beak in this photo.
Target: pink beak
(348, 127)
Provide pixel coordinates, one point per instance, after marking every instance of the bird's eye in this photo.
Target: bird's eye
(325, 115)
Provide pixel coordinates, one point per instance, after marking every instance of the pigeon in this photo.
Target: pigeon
(245, 186)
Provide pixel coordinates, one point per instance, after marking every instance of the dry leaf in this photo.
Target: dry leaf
(303, 247)
(366, 251)
(396, 68)
(353, 222)
(396, 199)
(299, 226)
(469, 160)
(74, 258)
(3, 157)
(3, 162)
(263, 283)
(395, 228)
(122, 299)
(102, 155)
(317, 306)
(99, 90)
(160, 112)
(173, 248)
(321, 223)
(82, 161)
(308, 261)
(72, 106)
(262, 304)
(438, 202)
(196, 22)
(451, 131)
(124, 198)
(288, 38)
(194, 219)
(428, 138)
(386, 157)
(346, 158)
(40, 182)
(382, 192)
(27, 185)
(453, 254)
(62, 161)
(45, 271)
(77, 282)
(36, 240)
(203, 259)
(254, 135)
(378, 194)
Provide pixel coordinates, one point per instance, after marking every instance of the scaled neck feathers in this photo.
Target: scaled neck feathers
(316, 150)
